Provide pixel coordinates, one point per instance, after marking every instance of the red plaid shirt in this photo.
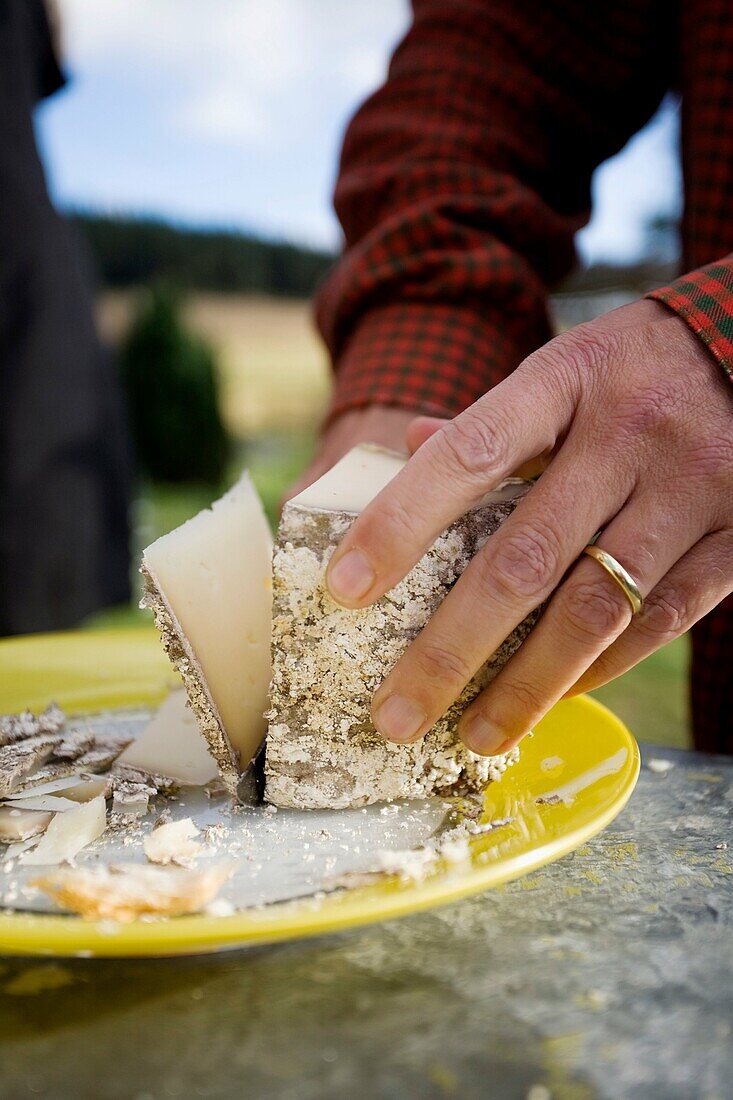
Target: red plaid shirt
(465, 177)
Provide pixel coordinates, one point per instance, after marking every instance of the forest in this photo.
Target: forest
(131, 251)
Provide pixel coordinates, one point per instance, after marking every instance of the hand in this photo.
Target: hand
(639, 421)
(380, 424)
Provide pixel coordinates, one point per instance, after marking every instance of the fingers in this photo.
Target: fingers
(585, 616)
(694, 586)
(421, 429)
(445, 477)
(512, 574)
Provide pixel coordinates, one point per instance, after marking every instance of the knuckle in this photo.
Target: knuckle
(583, 348)
(443, 664)
(572, 363)
(653, 412)
(394, 523)
(664, 617)
(526, 562)
(711, 461)
(516, 697)
(595, 612)
(471, 446)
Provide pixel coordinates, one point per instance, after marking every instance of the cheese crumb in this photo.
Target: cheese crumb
(173, 843)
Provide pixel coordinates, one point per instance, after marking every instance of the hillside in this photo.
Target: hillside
(131, 251)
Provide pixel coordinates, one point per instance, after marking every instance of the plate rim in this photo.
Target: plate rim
(61, 935)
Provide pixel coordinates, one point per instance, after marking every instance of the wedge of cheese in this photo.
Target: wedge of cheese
(322, 749)
(209, 586)
(171, 745)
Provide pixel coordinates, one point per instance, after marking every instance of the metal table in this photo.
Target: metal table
(608, 974)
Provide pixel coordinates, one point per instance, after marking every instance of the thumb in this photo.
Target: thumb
(421, 428)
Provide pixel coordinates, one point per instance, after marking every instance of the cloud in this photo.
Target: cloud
(231, 112)
(238, 65)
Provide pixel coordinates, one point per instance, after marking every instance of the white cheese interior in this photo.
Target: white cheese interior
(354, 481)
(171, 745)
(17, 824)
(69, 832)
(215, 573)
(173, 842)
(360, 475)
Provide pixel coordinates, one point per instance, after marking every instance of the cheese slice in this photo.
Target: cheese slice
(54, 786)
(209, 586)
(87, 788)
(45, 803)
(20, 824)
(73, 788)
(171, 745)
(354, 481)
(69, 832)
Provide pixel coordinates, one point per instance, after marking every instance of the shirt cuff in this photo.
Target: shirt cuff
(704, 299)
(429, 358)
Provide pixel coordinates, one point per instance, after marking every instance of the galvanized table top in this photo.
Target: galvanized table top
(607, 974)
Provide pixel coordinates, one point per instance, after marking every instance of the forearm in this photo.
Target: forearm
(462, 183)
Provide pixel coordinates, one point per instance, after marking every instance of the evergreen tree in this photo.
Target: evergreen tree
(172, 395)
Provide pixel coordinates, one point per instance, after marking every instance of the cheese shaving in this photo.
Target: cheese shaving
(20, 824)
(69, 832)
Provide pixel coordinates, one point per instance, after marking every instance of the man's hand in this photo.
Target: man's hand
(639, 420)
(374, 424)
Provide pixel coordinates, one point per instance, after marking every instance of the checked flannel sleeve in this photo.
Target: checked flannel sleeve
(462, 183)
(704, 299)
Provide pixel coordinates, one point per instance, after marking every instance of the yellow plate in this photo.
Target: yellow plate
(580, 749)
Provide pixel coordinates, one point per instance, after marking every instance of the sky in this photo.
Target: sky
(231, 112)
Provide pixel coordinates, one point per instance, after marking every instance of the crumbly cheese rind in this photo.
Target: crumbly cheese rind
(184, 661)
(322, 749)
(19, 759)
(126, 891)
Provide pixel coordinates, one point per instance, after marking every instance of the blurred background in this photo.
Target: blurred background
(193, 149)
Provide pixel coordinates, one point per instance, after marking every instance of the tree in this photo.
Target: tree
(172, 395)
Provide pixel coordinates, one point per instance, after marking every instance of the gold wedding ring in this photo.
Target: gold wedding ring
(623, 579)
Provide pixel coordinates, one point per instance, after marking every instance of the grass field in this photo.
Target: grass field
(275, 385)
(274, 371)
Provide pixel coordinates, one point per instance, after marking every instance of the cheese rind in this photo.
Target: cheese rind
(126, 891)
(322, 749)
(19, 759)
(208, 584)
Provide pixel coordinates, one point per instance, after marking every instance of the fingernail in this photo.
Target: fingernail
(483, 737)
(351, 577)
(399, 718)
